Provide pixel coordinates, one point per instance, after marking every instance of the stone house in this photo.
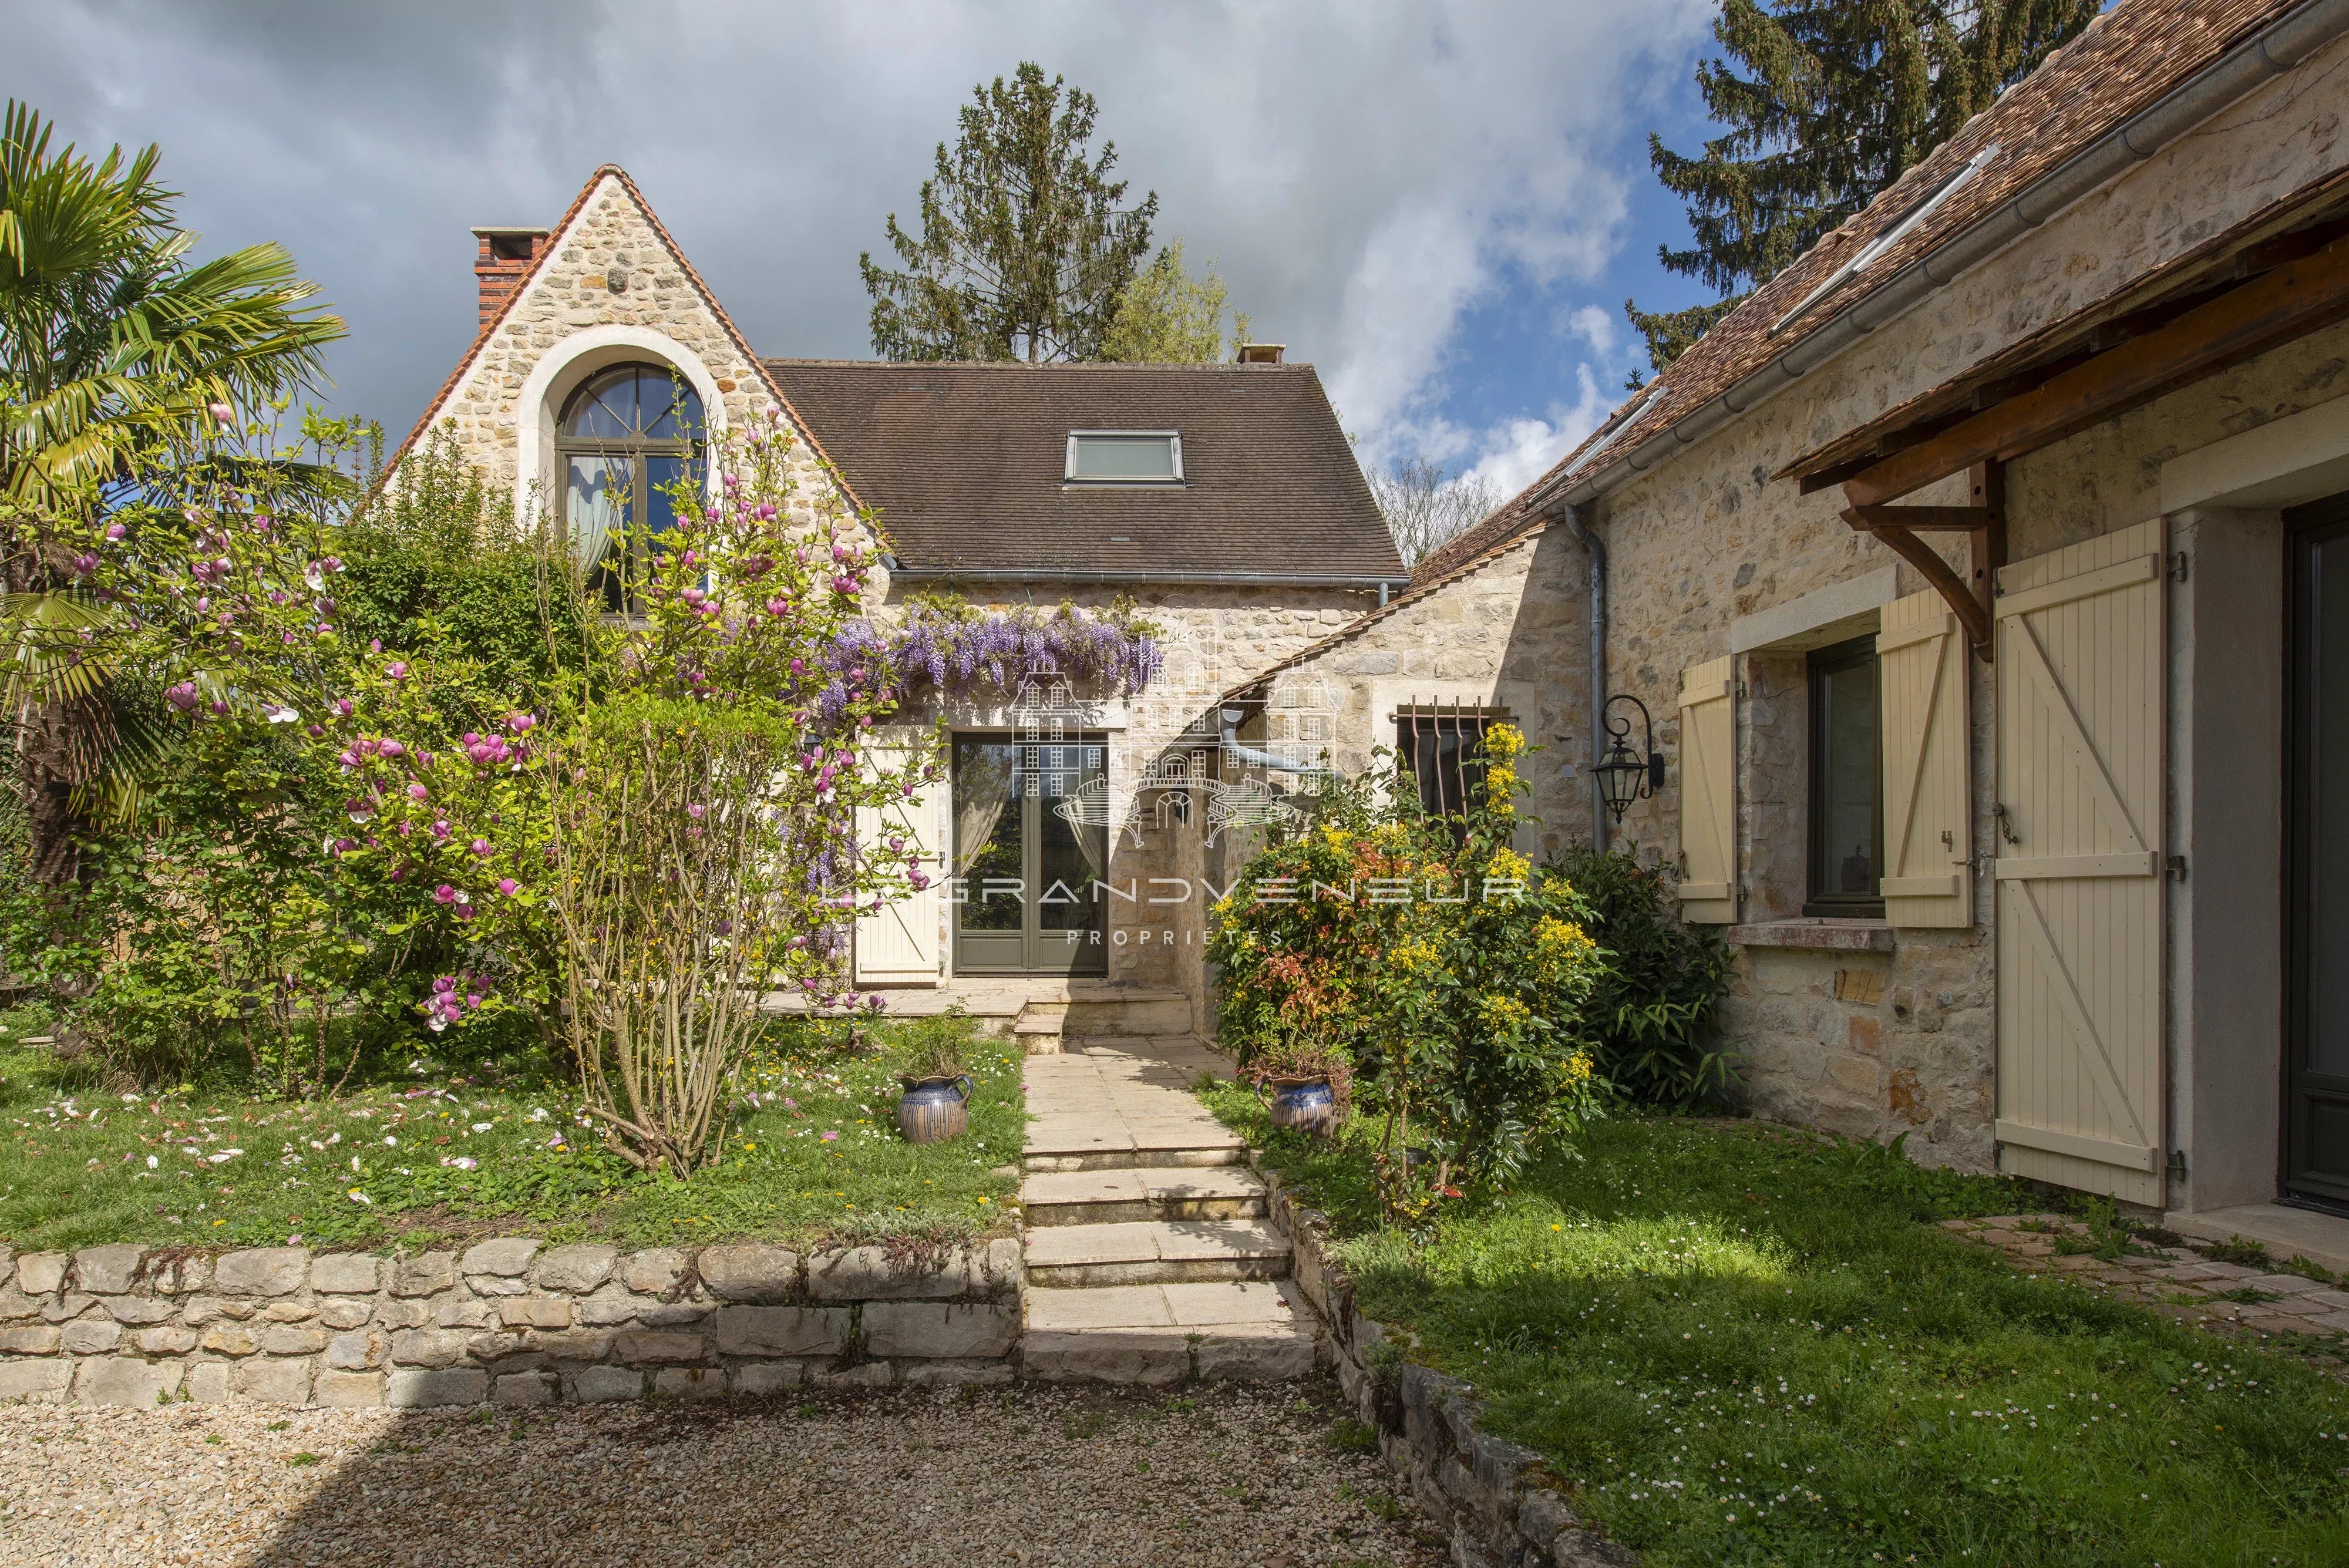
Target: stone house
(1981, 581)
(1221, 502)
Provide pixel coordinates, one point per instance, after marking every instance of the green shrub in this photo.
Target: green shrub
(1650, 1020)
(1449, 969)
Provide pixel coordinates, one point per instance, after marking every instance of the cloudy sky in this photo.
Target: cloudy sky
(1442, 205)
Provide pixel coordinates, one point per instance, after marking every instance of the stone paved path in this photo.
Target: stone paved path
(2176, 1282)
(1148, 1258)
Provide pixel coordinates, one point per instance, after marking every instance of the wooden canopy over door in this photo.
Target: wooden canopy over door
(2081, 680)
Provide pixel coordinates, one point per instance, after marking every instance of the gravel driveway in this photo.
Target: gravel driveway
(1085, 1478)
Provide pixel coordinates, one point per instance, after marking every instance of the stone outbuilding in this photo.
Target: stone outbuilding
(1983, 580)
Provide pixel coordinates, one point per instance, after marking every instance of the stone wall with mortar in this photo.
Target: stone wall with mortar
(1488, 1494)
(509, 1322)
(574, 294)
(1514, 634)
(1894, 1034)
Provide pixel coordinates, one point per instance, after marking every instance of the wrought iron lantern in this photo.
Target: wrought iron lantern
(1625, 775)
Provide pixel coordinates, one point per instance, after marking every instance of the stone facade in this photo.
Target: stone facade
(613, 290)
(1876, 1032)
(510, 1321)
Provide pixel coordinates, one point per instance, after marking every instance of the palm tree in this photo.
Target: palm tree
(123, 367)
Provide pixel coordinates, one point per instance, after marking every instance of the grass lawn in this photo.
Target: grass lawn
(1744, 1347)
(445, 1155)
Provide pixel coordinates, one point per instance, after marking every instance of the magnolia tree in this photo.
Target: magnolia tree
(674, 832)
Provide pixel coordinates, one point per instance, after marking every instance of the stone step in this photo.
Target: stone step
(1256, 1329)
(1079, 1142)
(1148, 1192)
(1037, 1027)
(1139, 1013)
(1154, 1252)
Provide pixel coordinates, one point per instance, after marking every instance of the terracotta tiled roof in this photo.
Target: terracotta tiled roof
(2125, 61)
(966, 463)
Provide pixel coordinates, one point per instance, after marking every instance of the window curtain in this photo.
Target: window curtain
(985, 782)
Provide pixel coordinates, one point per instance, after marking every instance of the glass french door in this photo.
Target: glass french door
(1027, 887)
(2316, 1075)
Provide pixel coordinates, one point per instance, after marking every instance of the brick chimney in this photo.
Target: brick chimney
(503, 260)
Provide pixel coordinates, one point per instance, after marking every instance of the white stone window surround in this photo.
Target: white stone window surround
(566, 367)
(1835, 613)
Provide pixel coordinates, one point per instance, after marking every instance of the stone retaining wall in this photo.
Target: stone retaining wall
(510, 1321)
(1487, 1493)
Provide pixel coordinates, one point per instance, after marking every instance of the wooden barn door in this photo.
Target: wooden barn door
(2080, 677)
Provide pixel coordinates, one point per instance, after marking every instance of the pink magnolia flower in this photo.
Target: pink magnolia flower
(396, 670)
(222, 412)
(418, 792)
(508, 886)
(480, 847)
(444, 893)
(115, 531)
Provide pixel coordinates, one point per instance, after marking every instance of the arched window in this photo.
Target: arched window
(626, 439)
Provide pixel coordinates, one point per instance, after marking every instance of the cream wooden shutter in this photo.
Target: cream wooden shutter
(898, 943)
(1927, 819)
(2081, 683)
(1708, 891)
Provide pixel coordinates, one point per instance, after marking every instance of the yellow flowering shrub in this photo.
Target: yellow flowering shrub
(1446, 969)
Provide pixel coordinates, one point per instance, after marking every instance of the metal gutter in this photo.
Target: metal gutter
(2283, 45)
(1095, 575)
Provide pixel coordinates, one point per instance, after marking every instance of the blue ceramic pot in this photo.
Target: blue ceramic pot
(1307, 1104)
(933, 1110)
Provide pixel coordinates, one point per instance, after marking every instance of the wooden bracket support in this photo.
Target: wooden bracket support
(1983, 522)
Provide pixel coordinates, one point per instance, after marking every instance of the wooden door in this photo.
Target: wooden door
(2081, 677)
(897, 944)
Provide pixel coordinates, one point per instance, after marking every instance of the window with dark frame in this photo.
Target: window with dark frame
(1846, 826)
(625, 440)
(1442, 745)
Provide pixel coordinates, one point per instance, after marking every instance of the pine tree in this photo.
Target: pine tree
(1837, 99)
(1024, 250)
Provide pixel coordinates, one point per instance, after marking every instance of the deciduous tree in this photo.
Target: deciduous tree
(1167, 316)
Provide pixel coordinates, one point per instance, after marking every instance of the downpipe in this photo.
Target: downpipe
(1575, 518)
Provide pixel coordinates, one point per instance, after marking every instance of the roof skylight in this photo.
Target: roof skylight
(1125, 457)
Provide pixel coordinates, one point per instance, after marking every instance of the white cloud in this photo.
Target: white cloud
(1368, 173)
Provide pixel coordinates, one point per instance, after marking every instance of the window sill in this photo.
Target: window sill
(1827, 935)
